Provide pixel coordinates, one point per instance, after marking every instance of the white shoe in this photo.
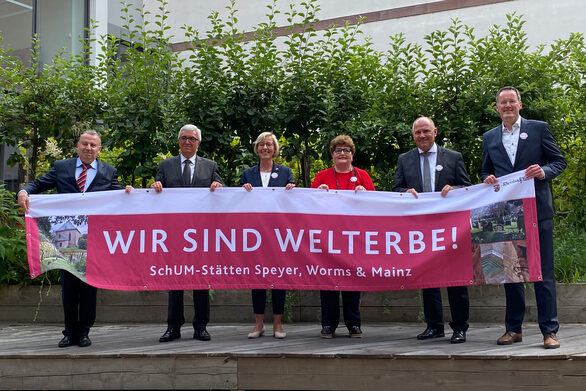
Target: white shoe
(255, 334)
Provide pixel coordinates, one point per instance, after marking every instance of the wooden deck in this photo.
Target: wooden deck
(388, 357)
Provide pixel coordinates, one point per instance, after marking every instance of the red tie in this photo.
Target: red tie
(82, 177)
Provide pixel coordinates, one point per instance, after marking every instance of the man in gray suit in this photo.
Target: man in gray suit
(426, 168)
(187, 170)
(521, 144)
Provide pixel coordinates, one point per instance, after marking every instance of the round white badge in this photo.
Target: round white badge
(523, 136)
(439, 167)
(274, 175)
(353, 179)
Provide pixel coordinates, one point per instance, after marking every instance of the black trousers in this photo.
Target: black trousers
(330, 308)
(79, 305)
(545, 295)
(259, 300)
(201, 305)
(459, 307)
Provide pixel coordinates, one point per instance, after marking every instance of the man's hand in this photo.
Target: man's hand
(23, 201)
(247, 186)
(128, 189)
(412, 191)
(215, 185)
(289, 186)
(445, 190)
(535, 171)
(323, 186)
(158, 186)
(490, 180)
(359, 187)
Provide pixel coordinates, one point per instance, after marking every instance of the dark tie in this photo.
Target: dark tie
(82, 177)
(187, 174)
(426, 173)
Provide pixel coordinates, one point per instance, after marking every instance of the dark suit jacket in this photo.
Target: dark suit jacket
(206, 171)
(538, 147)
(408, 173)
(62, 177)
(252, 175)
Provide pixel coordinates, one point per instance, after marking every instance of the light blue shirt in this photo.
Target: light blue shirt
(91, 172)
(432, 160)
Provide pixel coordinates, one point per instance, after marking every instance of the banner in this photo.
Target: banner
(288, 239)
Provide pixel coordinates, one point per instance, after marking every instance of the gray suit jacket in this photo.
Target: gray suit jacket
(206, 171)
(538, 147)
(408, 173)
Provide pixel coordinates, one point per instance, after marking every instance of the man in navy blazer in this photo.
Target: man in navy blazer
(79, 298)
(187, 170)
(446, 171)
(520, 144)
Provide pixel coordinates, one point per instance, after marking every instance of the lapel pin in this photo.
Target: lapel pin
(439, 167)
(523, 136)
(274, 175)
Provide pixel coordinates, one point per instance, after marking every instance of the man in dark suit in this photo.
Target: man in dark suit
(77, 175)
(520, 144)
(430, 167)
(187, 170)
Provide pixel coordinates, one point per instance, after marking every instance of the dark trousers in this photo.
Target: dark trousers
(459, 307)
(259, 300)
(79, 305)
(330, 308)
(201, 305)
(545, 295)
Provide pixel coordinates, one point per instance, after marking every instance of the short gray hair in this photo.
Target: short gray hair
(191, 128)
(92, 132)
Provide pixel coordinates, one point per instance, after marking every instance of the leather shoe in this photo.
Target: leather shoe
(202, 335)
(551, 341)
(328, 332)
(458, 337)
(355, 332)
(430, 333)
(66, 341)
(84, 341)
(509, 338)
(170, 335)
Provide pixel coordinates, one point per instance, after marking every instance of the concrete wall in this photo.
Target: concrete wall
(546, 21)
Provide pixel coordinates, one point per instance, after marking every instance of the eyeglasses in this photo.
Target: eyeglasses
(338, 151)
(190, 139)
(268, 145)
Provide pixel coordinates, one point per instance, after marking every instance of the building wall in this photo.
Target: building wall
(546, 20)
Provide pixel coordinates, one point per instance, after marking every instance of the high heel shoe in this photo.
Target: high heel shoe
(255, 334)
(279, 334)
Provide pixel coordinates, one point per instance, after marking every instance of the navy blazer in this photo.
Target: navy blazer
(408, 173)
(170, 172)
(62, 177)
(252, 175)
(539, 147)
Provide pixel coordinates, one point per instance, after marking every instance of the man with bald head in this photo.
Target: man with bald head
(429, 167)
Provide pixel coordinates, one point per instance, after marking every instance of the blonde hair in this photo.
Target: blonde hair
(261, 138)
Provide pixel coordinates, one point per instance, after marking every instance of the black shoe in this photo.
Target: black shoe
(328, 332)
(84, 341)
(202, 335)
(458, 337)
(66, 341)
(355, 332)
(431, 333)
(170, 335)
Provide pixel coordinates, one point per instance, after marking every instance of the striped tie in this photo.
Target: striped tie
(82, 177)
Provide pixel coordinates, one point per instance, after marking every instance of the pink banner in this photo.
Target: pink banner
(278, 239)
